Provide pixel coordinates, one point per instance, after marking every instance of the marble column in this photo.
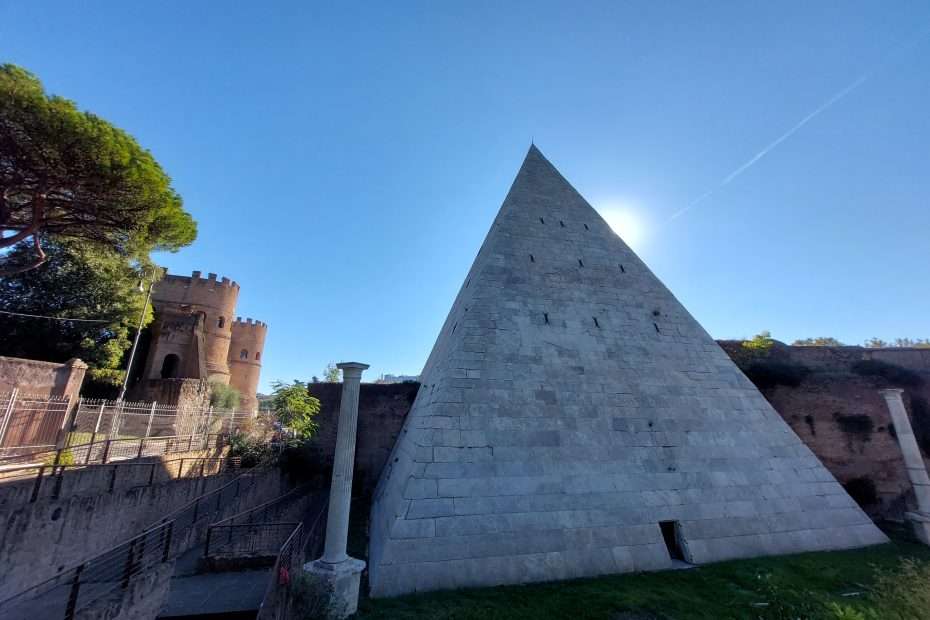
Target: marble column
(338, 574)
(913, 461)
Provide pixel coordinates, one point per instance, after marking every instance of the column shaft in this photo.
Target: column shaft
(340, 494)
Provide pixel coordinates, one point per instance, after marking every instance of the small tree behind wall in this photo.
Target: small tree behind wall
(295, 407)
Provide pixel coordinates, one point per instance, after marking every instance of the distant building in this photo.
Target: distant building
(194, 336)
(398, 378)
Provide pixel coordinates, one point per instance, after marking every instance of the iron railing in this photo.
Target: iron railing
(104, 576)
(100, 452)
(111, 572)
(250, 540)
(40, 424)
(306, 541)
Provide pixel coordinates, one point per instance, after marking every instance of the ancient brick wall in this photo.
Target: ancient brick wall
(843, 419)
(37, 378)
(381, 413)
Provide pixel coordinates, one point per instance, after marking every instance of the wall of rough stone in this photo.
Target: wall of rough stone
(39, 539)
(27, 484)
(381, 413)
(842, 418)
(37, 378)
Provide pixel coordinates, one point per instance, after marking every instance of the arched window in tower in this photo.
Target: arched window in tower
(243, 354)
(170, 366)
(221, 322)
(258, 355)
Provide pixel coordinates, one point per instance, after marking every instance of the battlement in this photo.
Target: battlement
(249, 324)
(195, 279)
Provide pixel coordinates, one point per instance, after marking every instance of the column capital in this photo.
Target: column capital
(891, 393)
(352, 369)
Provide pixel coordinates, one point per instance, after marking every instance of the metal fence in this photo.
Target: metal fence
(109, 574)
(32, 425)
(104, 576)
(306, 541)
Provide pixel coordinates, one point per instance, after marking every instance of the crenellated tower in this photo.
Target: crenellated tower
(194, 336)
(215, 301)
(245, 359)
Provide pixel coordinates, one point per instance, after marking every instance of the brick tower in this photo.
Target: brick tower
(178, 301)
(575, 420)
(245, 359)
(194, 336)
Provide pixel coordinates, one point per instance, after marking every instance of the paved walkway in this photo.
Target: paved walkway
(194, 594)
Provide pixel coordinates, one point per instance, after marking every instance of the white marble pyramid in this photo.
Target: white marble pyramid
(575, 420)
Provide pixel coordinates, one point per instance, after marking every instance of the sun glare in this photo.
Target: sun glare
(626, 222)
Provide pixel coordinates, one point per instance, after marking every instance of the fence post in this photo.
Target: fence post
(141, 446)
(130, 559)
(73, 593)
(117, 420)
(167, 553)
(7, 414)
(99, 417)
(67, 421)
(106, 451)
(38, 484)
(148, 427)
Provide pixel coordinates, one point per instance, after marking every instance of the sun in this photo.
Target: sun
(626, 221)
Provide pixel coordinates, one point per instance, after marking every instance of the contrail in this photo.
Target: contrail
(837, 96)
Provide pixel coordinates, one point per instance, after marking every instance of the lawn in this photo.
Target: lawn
(805, 586)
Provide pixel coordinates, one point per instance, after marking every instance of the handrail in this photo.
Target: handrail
(298, 544)
(295, 492)
(203, 440)
(66, 584)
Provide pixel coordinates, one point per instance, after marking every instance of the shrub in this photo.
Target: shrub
(897, 595)
(768, 374)
(252, 451)
(892, 373)
(224, 397)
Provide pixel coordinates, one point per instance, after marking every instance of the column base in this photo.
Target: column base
(338, 586)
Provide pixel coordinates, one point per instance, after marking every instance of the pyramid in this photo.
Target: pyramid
(574, 420)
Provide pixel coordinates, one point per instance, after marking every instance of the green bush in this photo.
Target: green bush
(902, 594)
(252, 451)
(893, 374)
(224, 397)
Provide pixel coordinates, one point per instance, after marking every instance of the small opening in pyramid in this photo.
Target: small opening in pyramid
(542, 221)
(622, 270)
(656, 325)
(580, 263)
(672, 536)
(561, 223)
(586, 227)
(546, 317)
(532, 259)
(596, 324)
(453, 327)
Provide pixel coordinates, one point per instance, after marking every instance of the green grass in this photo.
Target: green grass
(788, 587)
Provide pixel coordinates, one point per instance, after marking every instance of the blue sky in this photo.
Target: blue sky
(345, 160)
